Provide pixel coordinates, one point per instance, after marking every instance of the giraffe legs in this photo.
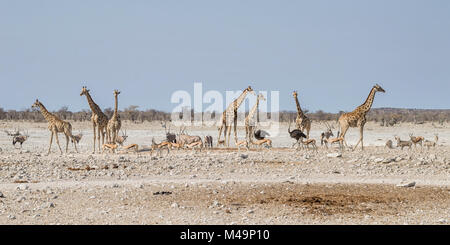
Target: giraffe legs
(93, 152)
(228, 135)
(220, 133)
(235, 127)
(67, 143)
(57, 142)
(361, 131)
(50, 146)
(344, 129)
(100, 134)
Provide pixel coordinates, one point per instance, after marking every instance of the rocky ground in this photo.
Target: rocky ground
(225, 186)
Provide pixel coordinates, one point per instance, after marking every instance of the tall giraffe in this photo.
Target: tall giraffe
(98, 119)
(56, 125)
(249, 122)
(114, 124)
(302, 121)
(357, 118)
(229, 116)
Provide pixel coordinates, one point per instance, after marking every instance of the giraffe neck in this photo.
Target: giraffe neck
(237, 102)
(299, 109)
(94, 107)
(116, 105)
(369, 101)
(253, 110)
(47, 115)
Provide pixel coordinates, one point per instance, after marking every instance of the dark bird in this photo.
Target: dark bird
(261, 134)
(296, 134)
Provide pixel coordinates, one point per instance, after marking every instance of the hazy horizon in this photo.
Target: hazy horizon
(331, 52)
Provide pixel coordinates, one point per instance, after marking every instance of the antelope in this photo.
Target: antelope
(195, 144)
(183, 138)
(208, 141)
(20, 139)
(267, 142)
(160, 146)
(242, 143)
(327, 134)
(401, 143)
(389, 144)
(175, 145)
(17, 133)
(170, 137)
(332, 141)
(429, 144)
(221, 142)
(416, 140)
(121, 139)
(310, 142)
(134, 147)
(76, 138)
(111, 147)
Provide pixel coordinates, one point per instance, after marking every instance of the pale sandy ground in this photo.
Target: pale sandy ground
(223, 186)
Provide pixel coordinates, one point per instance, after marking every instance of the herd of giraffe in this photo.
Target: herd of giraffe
(102, 126)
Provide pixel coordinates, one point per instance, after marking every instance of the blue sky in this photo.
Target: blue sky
(332, 52)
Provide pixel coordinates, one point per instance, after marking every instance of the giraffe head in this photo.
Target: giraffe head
(116, 92)
(36, 104)
(84, 91)
(249, 89)
(295, 94)
(261, 97)
(378, 88)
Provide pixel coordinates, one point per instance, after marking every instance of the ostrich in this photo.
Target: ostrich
(261, 134)
(296, 134)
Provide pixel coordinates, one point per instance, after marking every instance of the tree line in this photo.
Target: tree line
(385, 116)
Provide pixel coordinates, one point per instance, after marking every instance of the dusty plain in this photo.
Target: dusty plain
(280, 185)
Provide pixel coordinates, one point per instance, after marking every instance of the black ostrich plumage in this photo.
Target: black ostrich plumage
(261, 134)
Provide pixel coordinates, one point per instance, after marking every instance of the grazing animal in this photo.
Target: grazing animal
(302, 121)
(55, 125)
(429, 144)
(250, 122)
(98, 118)
(357, 118)
(159, 147)
(416, 140)
(195, 144)
(76, 138)
(172, 138)
(20, 139)
(242, 143)
(332, 141)
(327, 134)
(309, 142)
(402, 143)
(175, 145)
(229, 116)
(184, 139)
(134, 147)
(296, 134)
(121, 139)
(111, 147)
(208, 141)
(389, 144)
(17, 133)
(261, 134)
(221, 142)
(114, 124)
(267, 142)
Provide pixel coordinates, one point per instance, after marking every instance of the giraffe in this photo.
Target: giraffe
(98, 119)
(55, 125)
(229, 116)
(357, 118)
(302, 121)
(249, 122)
(114, 124)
